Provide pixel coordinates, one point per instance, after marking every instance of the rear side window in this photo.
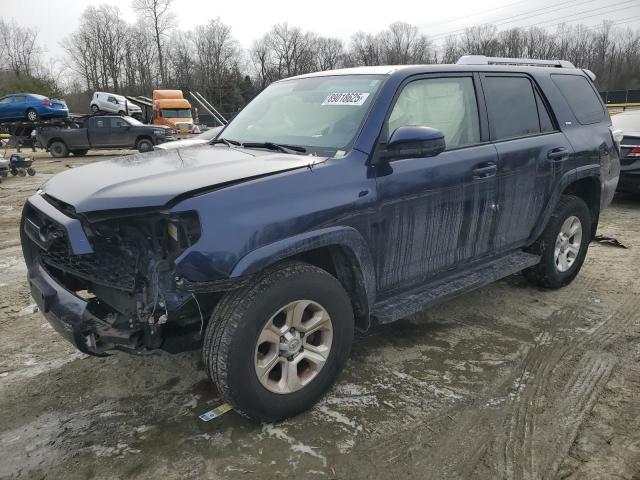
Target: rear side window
(581, 97)
(512, 107)
(19, 99)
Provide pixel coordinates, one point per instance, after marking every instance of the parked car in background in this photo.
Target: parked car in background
(629, 123)
(31, 107)
(200, 139)
(112, 103)
(333, 201)
(103, 132)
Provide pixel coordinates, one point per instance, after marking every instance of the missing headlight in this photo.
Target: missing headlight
(183, 230)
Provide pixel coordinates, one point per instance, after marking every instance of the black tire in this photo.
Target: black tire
(144, 145)
(95, 108)
(546, 274)
(58, 149)
(31, 171)
(22, 172)
(236, 322)
(14, 171)
(32, 115)
(122, 113)
(79, 153)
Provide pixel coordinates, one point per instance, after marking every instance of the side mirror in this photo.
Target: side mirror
(414, 142)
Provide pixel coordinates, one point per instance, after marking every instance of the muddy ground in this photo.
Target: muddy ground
(509, 381)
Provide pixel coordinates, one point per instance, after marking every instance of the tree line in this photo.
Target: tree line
(108, 53)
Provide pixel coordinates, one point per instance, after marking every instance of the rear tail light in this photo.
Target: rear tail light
(47, 103)
(634, 152)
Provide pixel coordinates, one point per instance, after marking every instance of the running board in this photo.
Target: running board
(443, 289)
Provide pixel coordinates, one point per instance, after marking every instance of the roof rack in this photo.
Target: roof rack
(484, 60)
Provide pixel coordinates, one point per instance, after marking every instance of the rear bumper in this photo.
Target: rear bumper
(630, 177)
(629, 182)
(53, 112)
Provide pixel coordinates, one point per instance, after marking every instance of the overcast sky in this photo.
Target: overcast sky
(55, 19)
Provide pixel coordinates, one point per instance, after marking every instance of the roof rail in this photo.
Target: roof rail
(484, 60)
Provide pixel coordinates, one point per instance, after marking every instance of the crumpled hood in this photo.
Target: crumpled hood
(153, 179)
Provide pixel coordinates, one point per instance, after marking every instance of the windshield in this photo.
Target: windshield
(176, 113)
(133, 121)
(316, 113)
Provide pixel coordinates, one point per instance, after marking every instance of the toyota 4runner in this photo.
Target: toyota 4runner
(333, 201)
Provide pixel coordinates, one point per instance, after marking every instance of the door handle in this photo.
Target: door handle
(485, 170)
(558, 154)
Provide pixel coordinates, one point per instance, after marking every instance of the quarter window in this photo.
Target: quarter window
(512, 107)
(448, 104)
(581, 97)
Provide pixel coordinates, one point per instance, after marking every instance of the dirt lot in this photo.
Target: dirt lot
(506, 382)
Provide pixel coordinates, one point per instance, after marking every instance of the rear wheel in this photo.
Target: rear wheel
(275, 346)
(32, 115)
(31, 171)
(563, 244)
(58, 149)
(144, 145)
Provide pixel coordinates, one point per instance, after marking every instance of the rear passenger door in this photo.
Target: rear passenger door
(99, 132)
(531, 151)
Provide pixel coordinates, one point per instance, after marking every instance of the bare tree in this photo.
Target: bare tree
(19, 46)
(158, 14)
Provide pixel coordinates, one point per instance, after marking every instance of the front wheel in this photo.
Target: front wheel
(275, 346)
(563, 244)
(144, 145)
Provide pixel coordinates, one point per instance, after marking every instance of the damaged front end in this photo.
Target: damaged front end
(106, 281)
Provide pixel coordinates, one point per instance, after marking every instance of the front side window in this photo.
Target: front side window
(448, 104)
(118, 122)
(512, 107)
(317, 113)
(176, 113)
(581, 97)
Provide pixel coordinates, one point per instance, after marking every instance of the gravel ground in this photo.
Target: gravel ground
(509, 381)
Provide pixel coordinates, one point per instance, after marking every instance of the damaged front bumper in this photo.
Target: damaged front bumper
(105, 288)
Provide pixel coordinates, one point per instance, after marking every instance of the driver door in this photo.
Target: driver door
(436, 214)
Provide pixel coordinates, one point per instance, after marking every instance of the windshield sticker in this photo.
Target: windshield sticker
(346, 98)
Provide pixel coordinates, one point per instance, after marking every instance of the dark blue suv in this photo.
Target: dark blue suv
(334, 201)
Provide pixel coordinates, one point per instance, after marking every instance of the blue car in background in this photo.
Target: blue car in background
(32, 107)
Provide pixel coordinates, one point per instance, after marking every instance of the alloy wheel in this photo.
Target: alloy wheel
(568, 243)
(293, 346)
